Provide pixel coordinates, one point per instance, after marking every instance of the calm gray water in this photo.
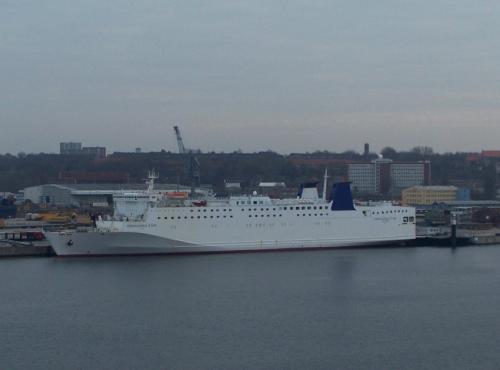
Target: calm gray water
(408, 308)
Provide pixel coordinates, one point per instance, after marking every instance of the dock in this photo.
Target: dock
(17, 249)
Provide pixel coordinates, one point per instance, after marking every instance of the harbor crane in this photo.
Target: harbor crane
(180, 144)
(193, 165)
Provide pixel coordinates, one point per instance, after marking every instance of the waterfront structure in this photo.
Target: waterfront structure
(384, 176)
(149, 223)
(427, 195)
(89, 195)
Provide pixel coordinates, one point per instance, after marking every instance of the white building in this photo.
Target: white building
(383, 176)
(363, 178)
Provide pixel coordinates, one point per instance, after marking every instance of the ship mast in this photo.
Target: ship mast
(152, 176)
(325, 181)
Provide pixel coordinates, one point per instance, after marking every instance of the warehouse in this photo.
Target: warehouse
(89, 195)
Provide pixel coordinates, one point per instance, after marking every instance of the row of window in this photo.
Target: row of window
(249, 202)
(211, 210)
(387, 212)
(285, 209)
(193, 217)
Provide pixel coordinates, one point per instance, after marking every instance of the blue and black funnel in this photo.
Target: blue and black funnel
(342, 197)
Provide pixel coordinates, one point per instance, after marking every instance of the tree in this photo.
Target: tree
(424, 151)
(389, 152)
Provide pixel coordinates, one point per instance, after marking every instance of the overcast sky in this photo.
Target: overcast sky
(291, 75)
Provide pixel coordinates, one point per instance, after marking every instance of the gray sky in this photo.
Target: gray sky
(291, 75)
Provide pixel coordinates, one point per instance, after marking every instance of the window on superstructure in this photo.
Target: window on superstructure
(303, 207)
(309, 207)
(173, 218)
(254, 202)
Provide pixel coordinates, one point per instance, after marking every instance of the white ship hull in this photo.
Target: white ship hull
(140, 244)
(198, 230)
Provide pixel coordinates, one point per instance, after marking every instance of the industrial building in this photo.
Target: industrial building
(426, 195)
(90, 195)
(384, 176)
(72, 148)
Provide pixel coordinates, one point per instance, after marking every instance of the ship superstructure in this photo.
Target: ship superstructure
(150, 222)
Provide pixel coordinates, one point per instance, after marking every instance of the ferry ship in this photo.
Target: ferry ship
(152, 222)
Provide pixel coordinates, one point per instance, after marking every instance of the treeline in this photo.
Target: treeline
(17, 172)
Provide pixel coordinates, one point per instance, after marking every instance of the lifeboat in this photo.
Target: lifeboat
(177, 194)
(200, 203)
